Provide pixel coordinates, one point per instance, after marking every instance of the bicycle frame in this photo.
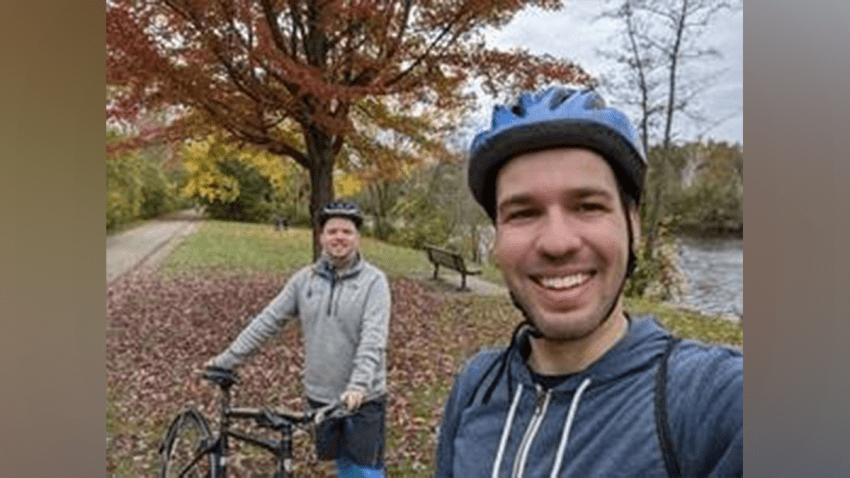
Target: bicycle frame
(283, 422)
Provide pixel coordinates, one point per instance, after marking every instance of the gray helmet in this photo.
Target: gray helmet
(347, 210)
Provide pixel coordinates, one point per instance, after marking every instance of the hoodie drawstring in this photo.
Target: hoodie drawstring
(505, 432)
(565, 436)
(505, 362)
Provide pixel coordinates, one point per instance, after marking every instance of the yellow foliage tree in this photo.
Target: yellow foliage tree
(347, 184)
(206, 180)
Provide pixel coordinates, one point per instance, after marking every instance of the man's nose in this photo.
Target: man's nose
(559, 235)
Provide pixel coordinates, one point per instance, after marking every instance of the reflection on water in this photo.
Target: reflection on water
(715, 272)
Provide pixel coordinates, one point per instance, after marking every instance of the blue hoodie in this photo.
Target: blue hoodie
(599, 422)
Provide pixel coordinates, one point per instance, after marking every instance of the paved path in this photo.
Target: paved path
(147, 242)
(449, 282)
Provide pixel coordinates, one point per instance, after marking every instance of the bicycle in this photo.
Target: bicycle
(190, 449)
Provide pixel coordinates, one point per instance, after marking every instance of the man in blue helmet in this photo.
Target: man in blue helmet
(582, 389)
(343, 303)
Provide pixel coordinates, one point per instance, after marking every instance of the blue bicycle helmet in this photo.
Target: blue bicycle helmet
(556, 118)
(348, 210)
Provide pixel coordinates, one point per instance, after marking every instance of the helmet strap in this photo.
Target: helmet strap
(532, 329)
(631, 264)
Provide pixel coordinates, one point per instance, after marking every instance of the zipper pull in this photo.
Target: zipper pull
(541, 397)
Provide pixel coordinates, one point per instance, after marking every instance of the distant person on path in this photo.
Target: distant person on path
(583, 389)
(343, 303)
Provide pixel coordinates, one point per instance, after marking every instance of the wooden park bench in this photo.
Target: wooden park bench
(441, 257)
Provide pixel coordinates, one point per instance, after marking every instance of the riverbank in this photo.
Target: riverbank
(700, 231)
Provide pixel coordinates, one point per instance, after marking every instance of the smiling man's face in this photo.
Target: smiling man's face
(561, 240)
(339, 239)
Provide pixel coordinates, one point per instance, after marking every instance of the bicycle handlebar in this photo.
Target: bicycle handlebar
(279, 418)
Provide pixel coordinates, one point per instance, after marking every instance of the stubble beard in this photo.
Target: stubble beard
(343, 262)
(578, 333)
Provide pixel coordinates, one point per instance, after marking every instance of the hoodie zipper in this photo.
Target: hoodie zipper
(333, 284)
(530, 432)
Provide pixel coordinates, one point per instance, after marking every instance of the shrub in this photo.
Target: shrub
(658, 276)
(137, 188)
(252, 204)
(157, 193)
(711, 207)
(429, 230)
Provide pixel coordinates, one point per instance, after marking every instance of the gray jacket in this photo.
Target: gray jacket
(344, 319)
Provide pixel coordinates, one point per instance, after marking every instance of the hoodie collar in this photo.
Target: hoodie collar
(640, 348)
(325, 268)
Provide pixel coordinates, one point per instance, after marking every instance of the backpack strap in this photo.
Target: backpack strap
(662, 420)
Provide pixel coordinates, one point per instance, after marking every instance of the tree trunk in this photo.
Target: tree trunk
(674, 64)
(320, 149)
(658, 185)
(475, 243)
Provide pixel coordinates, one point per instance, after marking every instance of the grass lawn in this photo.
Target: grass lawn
(161, 327)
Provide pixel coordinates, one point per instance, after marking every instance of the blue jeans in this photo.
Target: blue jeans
(347, 469)
(356, 441)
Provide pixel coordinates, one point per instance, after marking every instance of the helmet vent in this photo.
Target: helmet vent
(594, 102)
(558, 97)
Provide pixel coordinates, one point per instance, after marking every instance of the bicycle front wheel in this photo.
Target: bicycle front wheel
(182, 453)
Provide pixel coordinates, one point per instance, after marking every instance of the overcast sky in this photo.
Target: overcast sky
(574, 35)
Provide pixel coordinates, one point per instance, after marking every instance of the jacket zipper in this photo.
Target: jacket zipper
(531, 431)
(331, 297)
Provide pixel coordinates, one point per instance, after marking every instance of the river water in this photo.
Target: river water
(715, 272)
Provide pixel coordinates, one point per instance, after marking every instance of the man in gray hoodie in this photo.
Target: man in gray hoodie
(343, 303)
(582, 389)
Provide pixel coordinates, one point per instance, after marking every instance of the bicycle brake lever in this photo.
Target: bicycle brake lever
(324, 412)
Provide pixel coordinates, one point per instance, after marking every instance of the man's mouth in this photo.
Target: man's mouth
(563, 282)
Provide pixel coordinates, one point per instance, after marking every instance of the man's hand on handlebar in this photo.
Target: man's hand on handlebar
(352, 398)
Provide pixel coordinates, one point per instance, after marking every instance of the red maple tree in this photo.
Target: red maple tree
(314, 80)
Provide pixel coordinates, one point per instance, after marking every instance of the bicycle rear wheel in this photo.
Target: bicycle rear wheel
(180, 453)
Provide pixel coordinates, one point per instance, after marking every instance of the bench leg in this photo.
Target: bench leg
(462, 281)
(436, 268)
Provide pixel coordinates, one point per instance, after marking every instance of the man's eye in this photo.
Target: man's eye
(520, 214)
(592, 207)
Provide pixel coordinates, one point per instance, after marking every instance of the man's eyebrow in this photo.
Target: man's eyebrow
(520, 199)
(525, 199)
(592, 191)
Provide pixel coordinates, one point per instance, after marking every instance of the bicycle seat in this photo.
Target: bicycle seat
(222, 377)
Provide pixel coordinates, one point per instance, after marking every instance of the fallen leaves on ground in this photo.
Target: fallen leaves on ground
(160, 330)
